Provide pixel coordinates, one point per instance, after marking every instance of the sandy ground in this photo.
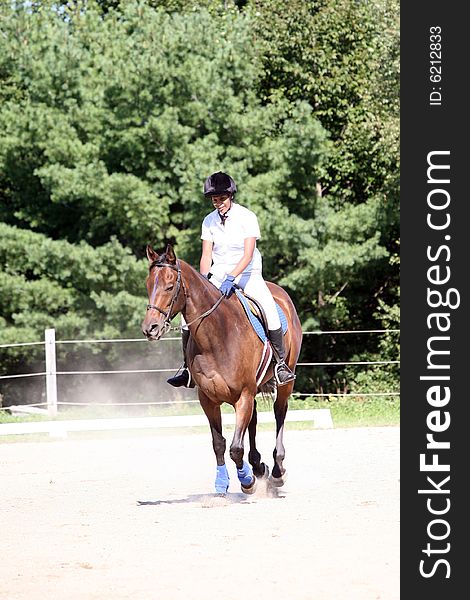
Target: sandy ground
(72, 528)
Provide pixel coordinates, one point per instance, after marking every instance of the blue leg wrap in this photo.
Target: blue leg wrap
(245, 474)
(222, 480)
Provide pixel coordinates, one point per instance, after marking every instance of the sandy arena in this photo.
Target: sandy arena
(134, 518)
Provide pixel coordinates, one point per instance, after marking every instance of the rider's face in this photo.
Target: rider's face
(221, 203)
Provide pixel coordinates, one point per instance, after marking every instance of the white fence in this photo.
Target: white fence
(321, 418)
(51, 372)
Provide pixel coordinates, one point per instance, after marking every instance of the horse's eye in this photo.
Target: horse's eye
(169, 288)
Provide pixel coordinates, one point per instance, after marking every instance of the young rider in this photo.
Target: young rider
(230, 256)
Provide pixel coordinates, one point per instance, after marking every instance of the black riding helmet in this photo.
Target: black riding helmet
(219, 184)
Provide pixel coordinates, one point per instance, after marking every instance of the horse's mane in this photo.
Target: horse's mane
(207, 282)
(163, 260)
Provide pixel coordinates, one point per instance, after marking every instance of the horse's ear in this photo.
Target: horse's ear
(151, 254)
(170, 255)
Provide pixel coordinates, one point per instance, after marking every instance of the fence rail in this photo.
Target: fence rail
(170, 339)
(51, 372)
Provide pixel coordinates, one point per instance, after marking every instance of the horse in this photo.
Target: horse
(223, 354)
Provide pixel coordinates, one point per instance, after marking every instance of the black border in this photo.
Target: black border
(426, 128)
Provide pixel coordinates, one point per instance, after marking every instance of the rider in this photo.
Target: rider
(230, 256)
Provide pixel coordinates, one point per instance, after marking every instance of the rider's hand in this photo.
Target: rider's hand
(227, 286)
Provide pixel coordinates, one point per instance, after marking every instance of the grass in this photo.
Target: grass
(358, 411)
(346, 413)
(8, 418)
(351, 411)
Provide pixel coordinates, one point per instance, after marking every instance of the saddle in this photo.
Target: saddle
(255, 313)
(256, 316)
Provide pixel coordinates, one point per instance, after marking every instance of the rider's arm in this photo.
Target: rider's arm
(206, 257)
(249, 248)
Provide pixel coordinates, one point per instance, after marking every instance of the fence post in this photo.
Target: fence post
(51, 376)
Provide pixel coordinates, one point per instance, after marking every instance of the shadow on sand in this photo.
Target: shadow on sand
(208, 500)
(197, 499)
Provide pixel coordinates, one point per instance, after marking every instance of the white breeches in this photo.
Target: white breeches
(255, 286)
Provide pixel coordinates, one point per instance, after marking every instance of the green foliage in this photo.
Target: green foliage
(123, 117)
(112, 114)
(342, 57)
(79, 290)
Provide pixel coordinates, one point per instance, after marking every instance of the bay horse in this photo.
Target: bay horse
(223, 354)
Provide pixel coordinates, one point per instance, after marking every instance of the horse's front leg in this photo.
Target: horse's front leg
(214, 417)
(259, 468)
(243, 413)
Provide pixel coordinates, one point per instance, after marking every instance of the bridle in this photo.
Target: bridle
(167, 314)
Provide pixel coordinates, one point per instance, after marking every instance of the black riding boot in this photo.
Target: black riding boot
(282, 372)
(184, 378)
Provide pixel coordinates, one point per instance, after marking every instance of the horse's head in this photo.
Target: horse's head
(164, 290)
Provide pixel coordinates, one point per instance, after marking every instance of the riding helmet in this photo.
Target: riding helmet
(218, 184)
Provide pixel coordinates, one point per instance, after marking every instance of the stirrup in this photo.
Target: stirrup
(283, 374)
(184, 379)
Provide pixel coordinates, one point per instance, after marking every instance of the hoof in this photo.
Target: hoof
(262, 472)
(251, 488)
(265, 475)
(278, 481)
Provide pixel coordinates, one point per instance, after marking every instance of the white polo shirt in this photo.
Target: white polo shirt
(228, 240)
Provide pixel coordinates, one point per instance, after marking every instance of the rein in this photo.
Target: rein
(167, 314)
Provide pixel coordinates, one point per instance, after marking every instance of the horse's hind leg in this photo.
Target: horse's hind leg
(278, 474)
(259, 468)
(214, 417)
(243, 415)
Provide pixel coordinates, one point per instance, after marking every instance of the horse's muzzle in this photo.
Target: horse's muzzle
(153, 331)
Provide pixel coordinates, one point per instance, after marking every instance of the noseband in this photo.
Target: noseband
(167, 314)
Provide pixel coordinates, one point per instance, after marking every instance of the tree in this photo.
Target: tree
(113, 113)
(343, 59)
(80, 291)
(121, 118)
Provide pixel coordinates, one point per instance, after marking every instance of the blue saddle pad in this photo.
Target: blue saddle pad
(255, 321)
